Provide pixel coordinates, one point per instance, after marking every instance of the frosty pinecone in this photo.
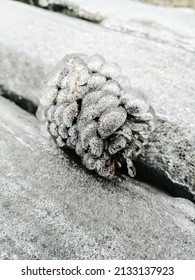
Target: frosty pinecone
(89, 106)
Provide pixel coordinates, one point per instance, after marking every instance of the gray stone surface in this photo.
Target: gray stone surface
(51, 208)
(166, 25)
(171, 153)
(30, 46)
(174, 3)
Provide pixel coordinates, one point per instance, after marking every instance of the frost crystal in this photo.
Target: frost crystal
(90, 106)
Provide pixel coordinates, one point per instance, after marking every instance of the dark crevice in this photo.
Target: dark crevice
(79, 103)
(31, 2)
(20, 101)
(153, 176)
(157, 177)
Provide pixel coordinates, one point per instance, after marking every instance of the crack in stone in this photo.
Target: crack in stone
(22, 102)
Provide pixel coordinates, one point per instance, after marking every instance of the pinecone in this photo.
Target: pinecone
(89, 106)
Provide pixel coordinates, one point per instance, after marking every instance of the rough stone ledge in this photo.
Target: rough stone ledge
(134, 18)
(30, 46)
(51, 208)
(170, 160)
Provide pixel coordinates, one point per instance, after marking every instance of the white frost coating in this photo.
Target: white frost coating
(103, 124)
(112, 87)
(91, 97)
(125, 82)
(96, 81)
(57, 114)
(157, 68)
(110, 70)
(106, 101)
(53, 129)
(69, 114)
(62, 130)
(116, 144)
(96, 146)
(87, 133)
(48, 95)
(175, 26)
(95, 63)
(110, 121)
(87, 116)
(135, 102)
(60, 142)
(78, 10)
(49, 113)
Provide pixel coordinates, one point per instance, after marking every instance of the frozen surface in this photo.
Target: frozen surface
(171, 152)
(51, 208)
(168, 25)
(33, 40)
